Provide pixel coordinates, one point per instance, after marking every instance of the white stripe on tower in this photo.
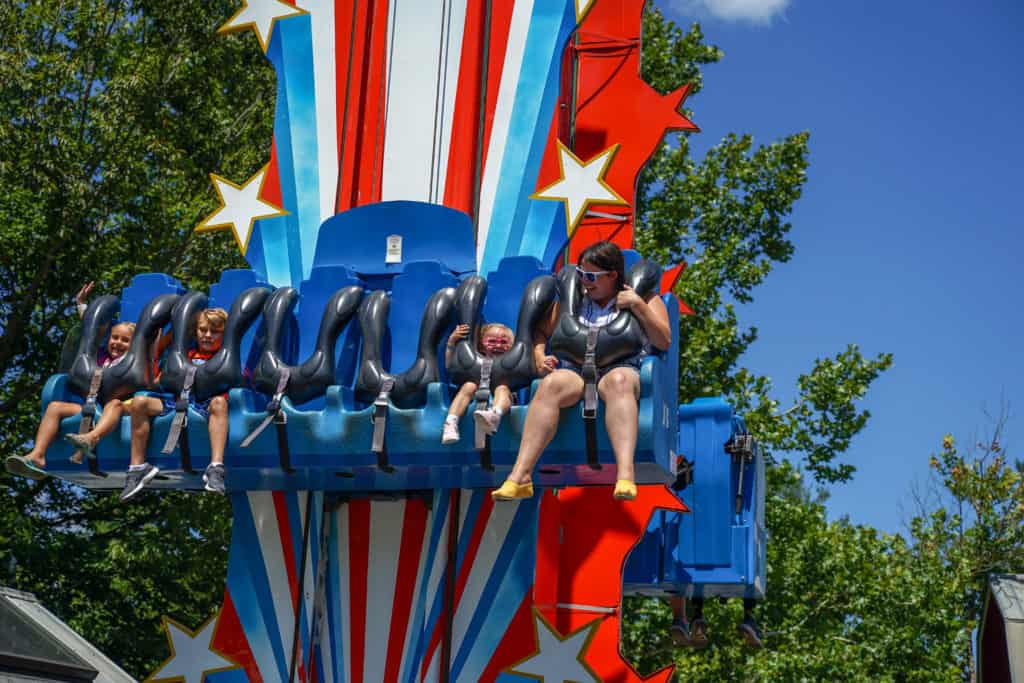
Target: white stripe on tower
(491, 542)
(386, 519)
(514, 50)
(308, 580)
(416, 607)
(413, 46)
(264, 516)
(325, 66)
(455, 23)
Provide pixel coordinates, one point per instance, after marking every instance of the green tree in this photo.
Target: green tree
(112, 113)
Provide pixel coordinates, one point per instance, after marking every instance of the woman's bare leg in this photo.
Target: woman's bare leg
(620, 390)
(560, 389)
(143, 410)
(49, 427)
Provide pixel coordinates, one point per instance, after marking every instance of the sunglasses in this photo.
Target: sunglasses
(590, 275)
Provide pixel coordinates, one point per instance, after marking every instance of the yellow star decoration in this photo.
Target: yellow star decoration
(240, 207)
(581, 184)
(192, 654)
(582, 7)
(260, 16)
(558, 659)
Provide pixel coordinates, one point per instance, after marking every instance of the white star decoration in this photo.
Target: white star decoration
(558, 659)
(582, 7)
(260, 16)
(240, 207)
(191, 658)
(581, 184)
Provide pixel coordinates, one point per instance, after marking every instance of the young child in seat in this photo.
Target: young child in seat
(32, 464)
(494, 340)
(208, 331)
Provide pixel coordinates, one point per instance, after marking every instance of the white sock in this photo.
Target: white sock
(216, 464)
(136, 468)
(452, 419)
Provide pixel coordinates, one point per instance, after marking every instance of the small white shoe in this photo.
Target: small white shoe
(450, 434)
(487, 420)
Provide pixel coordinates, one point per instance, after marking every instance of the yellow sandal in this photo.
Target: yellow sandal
(513, 491)
(624, 490)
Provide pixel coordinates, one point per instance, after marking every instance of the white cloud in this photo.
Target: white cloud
(756, 11)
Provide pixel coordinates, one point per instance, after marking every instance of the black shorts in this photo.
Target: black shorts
(628, 362)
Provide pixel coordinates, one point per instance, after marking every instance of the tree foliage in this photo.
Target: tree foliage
(112, 114)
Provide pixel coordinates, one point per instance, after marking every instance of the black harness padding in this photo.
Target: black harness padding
(310, 379)
(593, 348)
(482, 396)
(132, 373)
(223, 371)
(515, 368)
(375, 384)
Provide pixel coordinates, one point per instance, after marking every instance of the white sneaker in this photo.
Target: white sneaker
(450, 434)
(487, 420)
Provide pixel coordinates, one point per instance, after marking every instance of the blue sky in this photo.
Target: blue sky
(908, 237)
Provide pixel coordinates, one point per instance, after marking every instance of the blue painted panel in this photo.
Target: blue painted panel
(223, 293)
(505, 288)
(357, 237)
(142, 289)
(409, 294)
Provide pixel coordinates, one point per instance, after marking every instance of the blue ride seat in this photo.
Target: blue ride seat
(329, 444)
(714, 550)
(113, 450)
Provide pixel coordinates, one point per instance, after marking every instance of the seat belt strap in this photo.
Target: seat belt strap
(179, 425)
(273, 407)
(589, 372)
(380, 423)
(89, 413)
(482, 396)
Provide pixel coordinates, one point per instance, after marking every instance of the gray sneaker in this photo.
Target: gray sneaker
(213, 478)
(136, 480)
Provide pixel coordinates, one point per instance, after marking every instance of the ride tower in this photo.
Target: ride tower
(433, 163)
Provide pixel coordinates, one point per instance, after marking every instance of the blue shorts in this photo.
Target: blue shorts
(201, 407)
(633, 362)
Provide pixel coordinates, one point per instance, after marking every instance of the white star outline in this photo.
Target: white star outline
(240, 207)
(582, 7)
(260, 16)
(581, 184)
(192, 655)
(558, 659)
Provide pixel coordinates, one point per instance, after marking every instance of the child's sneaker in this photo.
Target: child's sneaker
(136, 480)
(751, 632)
(680, 632)
(213, 479)
(450, 434)
(487, 420)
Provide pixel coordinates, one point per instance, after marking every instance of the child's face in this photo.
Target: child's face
(208, 337)
(120, 340)
(495, 342)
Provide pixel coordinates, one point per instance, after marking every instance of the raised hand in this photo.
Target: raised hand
(83, 294)
(459, 333)
(627, 298)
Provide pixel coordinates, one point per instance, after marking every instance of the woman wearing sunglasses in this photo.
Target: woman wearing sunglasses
(601, 270)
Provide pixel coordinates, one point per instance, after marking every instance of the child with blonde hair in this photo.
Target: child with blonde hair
(208, 331)
(494, 340)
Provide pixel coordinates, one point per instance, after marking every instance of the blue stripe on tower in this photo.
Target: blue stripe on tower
(415, 654)
(248, 583)
(535, 100)
(335, 596)
(507, 585)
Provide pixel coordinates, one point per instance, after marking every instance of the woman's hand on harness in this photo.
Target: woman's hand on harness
(546, 365)
(626, 299)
